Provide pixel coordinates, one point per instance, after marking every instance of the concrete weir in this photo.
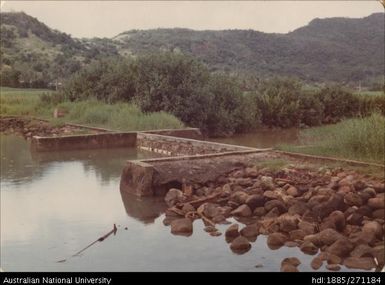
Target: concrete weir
(189, 161)
(188, 158)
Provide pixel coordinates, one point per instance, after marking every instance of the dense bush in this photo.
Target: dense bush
(278, 100)
(182, 86)
(170, 82)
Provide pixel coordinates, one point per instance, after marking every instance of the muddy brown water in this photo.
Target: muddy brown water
(55, 204)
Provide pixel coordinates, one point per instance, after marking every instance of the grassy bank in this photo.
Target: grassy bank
(358, 139)
(119, 116)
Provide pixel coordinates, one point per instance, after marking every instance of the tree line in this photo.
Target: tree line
(215, 102)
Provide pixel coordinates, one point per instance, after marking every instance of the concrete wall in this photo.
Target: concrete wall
(188, 133)
(174, 146)
(154, 177)
(103, 140)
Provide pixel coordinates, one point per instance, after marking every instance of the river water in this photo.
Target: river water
(55, 204)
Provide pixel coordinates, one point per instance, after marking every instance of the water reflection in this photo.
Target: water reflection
(143, 209)
(20, 165)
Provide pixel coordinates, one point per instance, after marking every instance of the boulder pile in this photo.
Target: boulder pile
(335, 215)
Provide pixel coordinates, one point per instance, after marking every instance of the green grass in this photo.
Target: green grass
(119, 116)
(25, 102)
(358, 139)
(369, 93)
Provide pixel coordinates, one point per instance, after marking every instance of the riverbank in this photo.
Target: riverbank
(41, 103)
(335, 215)
(359, 139)
(29, 127)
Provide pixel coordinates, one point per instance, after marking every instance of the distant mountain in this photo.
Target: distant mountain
(34, 54)
(334, 49)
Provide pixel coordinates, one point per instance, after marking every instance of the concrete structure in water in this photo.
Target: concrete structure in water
(188, 158)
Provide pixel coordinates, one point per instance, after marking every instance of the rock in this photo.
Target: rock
(361, 250)
(182, 226)
(379, 214)
(289, 268)
(254, 201)
(258, 265)
(338, 219)
(276, 240)
(269, 195)
(215, 234)
(373, 227)
(322, 210)
(209, 209)
(308, 247)
(359, 185)
(308, 228)
(342, 247)
(376, 203)
(173, 197)
(378, 253)
(275, 204)
(353, 199)
(291, 244)
(210, 229)
(326, 237)
(333, 259)
(251, 172)
(239, 197)
(355, 219)
(188, 208)
(333, 267)
(218, 219)
(259, 211)
(245, 182)
(250, 231)
(379, 187)
(365, 211)
(347, 181)
(365, 263)
(287, 223)
(232, 231)
(226, 211)
(298, 208)
(240, 245)
(370, 191)
(291, 260)
(297, 235)
(292, 191)
(267, 183)
(226, 189)
(237, 174)
(273, 213)
(242, 211)
(316, 263)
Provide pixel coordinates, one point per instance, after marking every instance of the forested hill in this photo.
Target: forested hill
(333, 49)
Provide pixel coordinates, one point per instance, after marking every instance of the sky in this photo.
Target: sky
(109, 18)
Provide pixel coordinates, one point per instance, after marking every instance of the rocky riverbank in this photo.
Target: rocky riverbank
(336, 215)
(29, 127)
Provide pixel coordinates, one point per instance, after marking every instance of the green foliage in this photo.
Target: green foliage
(278, 100)
(314, 53)
(169, 82)
(358, 138)
(109, 80)
(338, 103)
(121, 116)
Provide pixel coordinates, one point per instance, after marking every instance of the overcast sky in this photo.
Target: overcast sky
(109, 18)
